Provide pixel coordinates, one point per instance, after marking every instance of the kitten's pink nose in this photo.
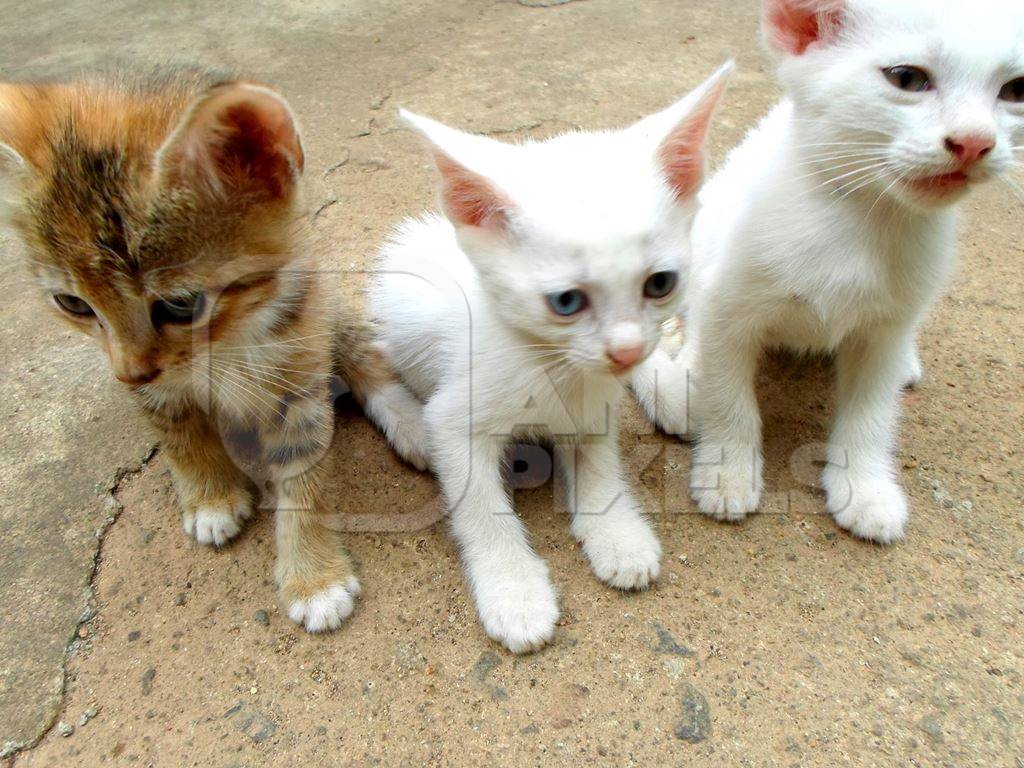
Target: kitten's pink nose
(624, 358)
(970, 149)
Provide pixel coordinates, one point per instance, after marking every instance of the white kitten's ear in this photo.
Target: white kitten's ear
(793, 26)
(238, 138)
(469, 198)
(683, 129)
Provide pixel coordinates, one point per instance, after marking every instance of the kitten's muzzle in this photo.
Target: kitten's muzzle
(624, 358)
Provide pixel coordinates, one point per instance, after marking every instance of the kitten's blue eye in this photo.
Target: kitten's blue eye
(568, 303)
(1013, 91)
(661, 284)
(181, 310)
(906, 78)
(73, 305)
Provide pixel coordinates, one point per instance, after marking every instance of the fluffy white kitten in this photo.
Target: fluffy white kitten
(832, 229)
(516, 317)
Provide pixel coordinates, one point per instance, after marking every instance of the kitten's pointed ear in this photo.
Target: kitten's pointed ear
(793, 26)
(469, 198)
(238, 138)
(681, 153)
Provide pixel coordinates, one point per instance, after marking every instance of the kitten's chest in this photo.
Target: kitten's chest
(545, 403)
(866, 284)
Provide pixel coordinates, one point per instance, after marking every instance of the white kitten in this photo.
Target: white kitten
(832, 229)
(516, 318)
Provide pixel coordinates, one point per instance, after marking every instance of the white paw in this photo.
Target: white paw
(327, 609)
(726, 485)
(872, 509)
(626, 555)
(216, 525)
(520, 613)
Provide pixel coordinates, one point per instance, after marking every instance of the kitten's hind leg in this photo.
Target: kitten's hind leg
(393, 408)
(661, 385)
(215, 495)
(617, 539)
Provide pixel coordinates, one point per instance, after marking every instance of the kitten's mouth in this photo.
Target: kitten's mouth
(943, 184)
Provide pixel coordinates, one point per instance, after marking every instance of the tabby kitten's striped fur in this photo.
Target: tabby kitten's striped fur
(161, 215)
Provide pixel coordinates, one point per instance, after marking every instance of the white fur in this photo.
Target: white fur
(216, 525)
(806, 241)
(464, 316)
(326, 610)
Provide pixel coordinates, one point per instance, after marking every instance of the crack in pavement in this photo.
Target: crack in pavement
(10, 750)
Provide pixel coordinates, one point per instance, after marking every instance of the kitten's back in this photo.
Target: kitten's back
(425, 288)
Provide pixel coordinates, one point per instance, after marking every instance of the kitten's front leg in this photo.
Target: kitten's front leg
(511, 587)
(860, 486)
(617, 539)
(215, 495)
(314, 572)
(726, 481)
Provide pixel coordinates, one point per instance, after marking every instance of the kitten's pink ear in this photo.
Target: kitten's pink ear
(238, 138)
(793, 26)
(682, 152)
(469, 198)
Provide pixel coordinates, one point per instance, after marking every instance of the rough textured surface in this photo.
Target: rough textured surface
(781, 642)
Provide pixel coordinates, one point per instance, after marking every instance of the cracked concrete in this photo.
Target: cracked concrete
(777, 643)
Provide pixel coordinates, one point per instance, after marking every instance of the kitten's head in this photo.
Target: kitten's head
(582, 240)
(917, 98)
(155, 213)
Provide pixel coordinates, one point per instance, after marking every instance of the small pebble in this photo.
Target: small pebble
(261, 617)
(180, 599)
(65, 729)
(134, 635)
(87, 715)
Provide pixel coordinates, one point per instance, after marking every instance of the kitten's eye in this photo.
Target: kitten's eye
(912, 79)
(181, 310)
(661, 284)
(73, 305)
(1013, 91)
(568, 303)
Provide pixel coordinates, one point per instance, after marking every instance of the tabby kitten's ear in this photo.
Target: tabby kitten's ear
(237, 139)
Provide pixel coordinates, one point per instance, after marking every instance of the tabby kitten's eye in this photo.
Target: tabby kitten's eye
(73, 305)
(906, 78)
(568, 303)
(181, 310)
(1013, 91)
(660, 285)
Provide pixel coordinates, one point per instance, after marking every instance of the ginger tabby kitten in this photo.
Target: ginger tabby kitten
(161, 215)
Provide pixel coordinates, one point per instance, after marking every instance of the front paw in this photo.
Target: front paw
(517, 609)
(874, 509)
(726, 484)
(400, 417)
(217, 523)
(320, 607)
(625, 555)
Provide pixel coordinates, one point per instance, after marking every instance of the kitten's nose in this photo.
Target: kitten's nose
(624, 358)
(136, 377)
(970, 149)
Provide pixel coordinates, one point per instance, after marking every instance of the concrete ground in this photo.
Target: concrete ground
(781, 642)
